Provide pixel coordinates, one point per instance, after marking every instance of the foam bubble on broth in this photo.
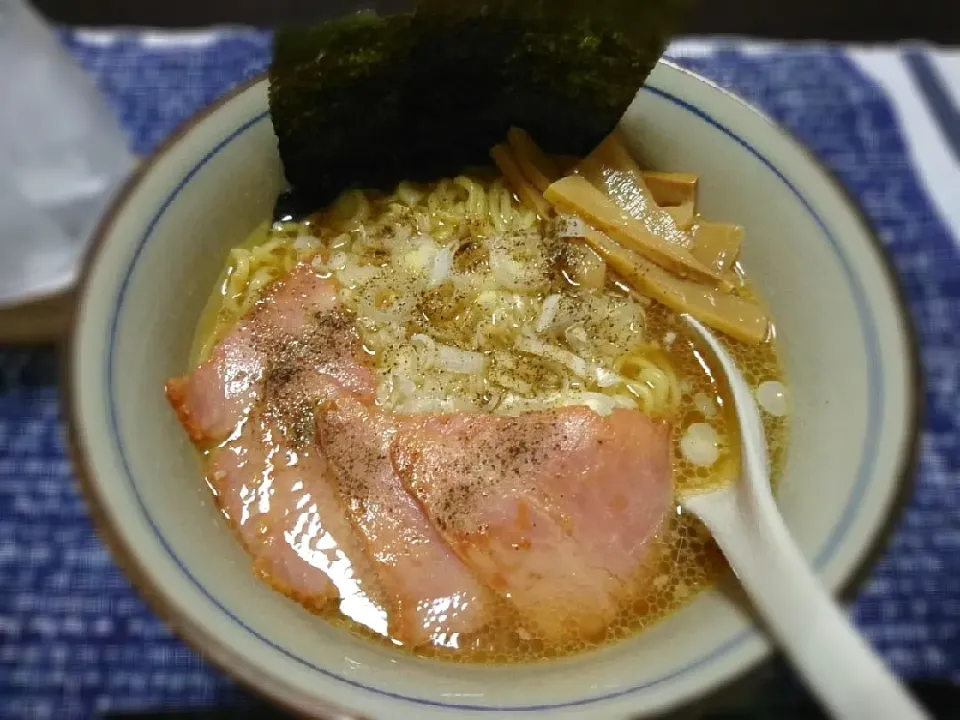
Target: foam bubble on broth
(772, 396)
(433, 230)
(699, 444)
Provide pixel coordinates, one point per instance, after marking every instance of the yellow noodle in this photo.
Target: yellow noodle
(476, 203)
(443, 211)
(651, 378)
(409, 194)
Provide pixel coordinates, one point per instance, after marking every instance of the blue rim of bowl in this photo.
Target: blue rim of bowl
(167, 608)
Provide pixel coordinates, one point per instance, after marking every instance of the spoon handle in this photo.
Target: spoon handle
(850, 680)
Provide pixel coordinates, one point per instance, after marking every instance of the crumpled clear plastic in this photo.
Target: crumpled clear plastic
(62, 157)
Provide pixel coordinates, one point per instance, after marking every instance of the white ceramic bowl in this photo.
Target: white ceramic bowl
(846, 341)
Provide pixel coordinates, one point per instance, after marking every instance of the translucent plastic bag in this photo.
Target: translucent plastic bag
(62, 156)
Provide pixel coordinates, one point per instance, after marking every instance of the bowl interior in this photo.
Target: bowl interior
(842, 332)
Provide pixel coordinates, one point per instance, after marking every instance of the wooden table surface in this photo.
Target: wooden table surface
(37, 323)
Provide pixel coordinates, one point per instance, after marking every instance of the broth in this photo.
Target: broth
(356, 242)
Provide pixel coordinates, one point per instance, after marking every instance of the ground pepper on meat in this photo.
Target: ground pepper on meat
(291, 364)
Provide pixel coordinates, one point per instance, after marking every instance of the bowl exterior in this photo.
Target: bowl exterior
(843, 331)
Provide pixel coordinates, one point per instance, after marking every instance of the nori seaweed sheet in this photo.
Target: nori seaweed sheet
(367, 101)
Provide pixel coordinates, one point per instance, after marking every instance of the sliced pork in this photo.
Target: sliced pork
(253, 405)
(290, 520)
(553, 510)
(295, 329)
(434, 597)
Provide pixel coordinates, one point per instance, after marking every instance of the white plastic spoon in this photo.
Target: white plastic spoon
(839, 667)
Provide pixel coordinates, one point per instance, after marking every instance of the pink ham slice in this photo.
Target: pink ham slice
(553, 510)
(434, 598)
(212, 399)
(296, 320)
(256, 398)
(290, 520)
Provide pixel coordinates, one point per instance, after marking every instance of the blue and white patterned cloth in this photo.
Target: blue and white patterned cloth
(76, 640)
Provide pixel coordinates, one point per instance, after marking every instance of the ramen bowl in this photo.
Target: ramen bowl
(842, 328)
